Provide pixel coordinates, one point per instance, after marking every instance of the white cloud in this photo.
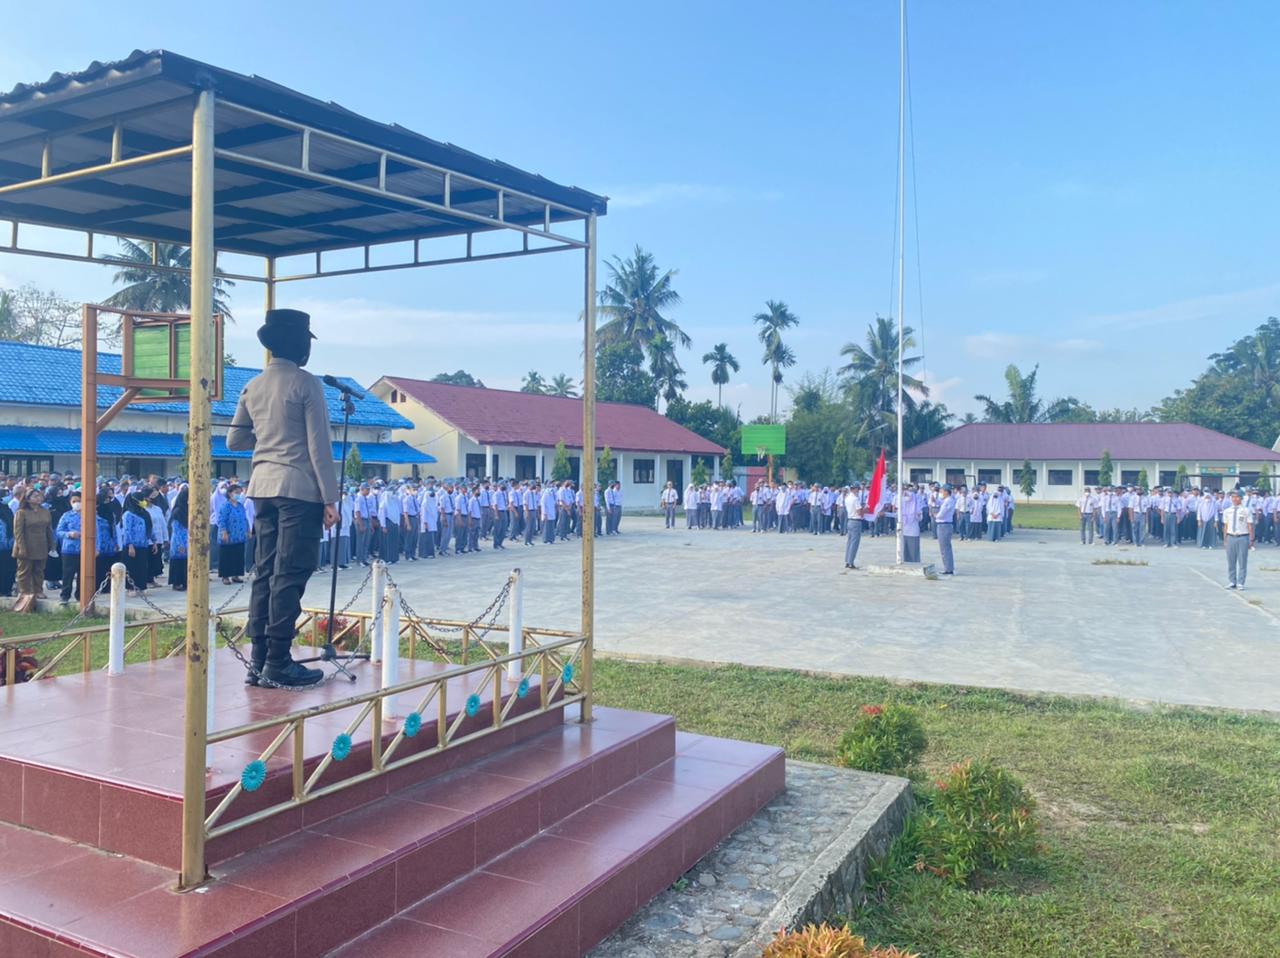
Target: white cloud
(359, 322)
(655, 194)
(1255, 304)
(1074, 188)
(993, 345)
(940, 389)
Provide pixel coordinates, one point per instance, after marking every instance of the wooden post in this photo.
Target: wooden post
(199, 469)
(589, 464)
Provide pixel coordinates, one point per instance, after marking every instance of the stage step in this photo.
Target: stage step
(612, 802)
(564, 891)
(98, 759)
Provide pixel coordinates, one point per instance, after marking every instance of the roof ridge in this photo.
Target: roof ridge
(520, 392)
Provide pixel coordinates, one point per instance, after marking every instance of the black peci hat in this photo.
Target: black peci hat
(284, 324)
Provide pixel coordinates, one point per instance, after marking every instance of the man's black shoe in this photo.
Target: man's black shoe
(292, 675)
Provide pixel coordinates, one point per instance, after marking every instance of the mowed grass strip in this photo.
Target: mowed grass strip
(1161, 827)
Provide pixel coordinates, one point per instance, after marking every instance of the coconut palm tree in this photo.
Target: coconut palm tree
(1023, 405)
(871, 375)
(668, 374)
(772, 322)
(562, 386)
(721, 361)
(533, 383)
(633, 301)
(160, 290)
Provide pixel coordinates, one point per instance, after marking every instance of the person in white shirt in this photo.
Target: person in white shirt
(1237, 526)
(853, 525)
(1206, 522)
(1086, 505)
(995, 516)
(909, 510)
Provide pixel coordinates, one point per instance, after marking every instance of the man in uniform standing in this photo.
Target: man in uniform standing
(1237, 524)
(853, 513)
(283, 417)
(944, 524)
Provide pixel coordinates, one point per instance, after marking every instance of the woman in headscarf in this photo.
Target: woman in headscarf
(233, 529)
(32, 542)
(8, 567)
(137, 540)
(179, 542)
(159, 534)
(107, 552)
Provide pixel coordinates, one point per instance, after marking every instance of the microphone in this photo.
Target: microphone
(342, 387)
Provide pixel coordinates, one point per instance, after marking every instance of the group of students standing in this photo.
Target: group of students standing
(421, 519)
(1114, 514)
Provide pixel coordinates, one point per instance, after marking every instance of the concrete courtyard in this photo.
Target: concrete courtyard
(1031, 612)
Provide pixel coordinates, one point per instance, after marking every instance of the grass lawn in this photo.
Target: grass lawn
(1045, 515)
(15, 625)
(1161, 827)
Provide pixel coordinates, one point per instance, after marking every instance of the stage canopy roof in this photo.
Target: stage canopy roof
(107, 150)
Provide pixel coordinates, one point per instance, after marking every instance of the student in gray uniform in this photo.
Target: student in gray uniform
(944, 523)
(853, 537)
(1237, 525)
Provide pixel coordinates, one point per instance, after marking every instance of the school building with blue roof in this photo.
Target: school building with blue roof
(40, 393)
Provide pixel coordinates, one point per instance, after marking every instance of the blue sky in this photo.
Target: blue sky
(1096, 181)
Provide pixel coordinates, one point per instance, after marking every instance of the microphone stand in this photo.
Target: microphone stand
(329, 653)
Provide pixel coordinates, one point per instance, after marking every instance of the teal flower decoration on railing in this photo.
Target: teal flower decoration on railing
(254, 774)
(523, 689)
(568, 673)
(341, 747)
(413, 724)
(473, 705)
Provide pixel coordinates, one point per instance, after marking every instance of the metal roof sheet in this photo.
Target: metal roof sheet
(132, 202)
(503, 417)
(48, 376)
(1165, 442)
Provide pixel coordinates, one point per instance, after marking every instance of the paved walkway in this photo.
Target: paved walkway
(1030, 612)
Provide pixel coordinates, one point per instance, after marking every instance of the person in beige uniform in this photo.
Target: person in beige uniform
(284, 418)
(1237, 526)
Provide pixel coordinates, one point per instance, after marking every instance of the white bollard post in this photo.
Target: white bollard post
(390, 648)
(115, 636)
(515, 635)
(378, 586)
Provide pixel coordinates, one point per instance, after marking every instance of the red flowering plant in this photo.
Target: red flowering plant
(340, 625)
(884, 738)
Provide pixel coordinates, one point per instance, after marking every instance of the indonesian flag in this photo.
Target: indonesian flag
(876, 495)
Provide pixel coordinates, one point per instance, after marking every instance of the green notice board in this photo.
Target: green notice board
(764, 438)
(162, 352)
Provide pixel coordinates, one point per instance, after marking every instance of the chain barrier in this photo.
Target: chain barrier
(78, 617)
(478, 626)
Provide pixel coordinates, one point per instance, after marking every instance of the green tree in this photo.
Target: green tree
(355, 465)
(778, 356)
(8, 317)
(1105, 468)
(562, 386)
(924, 421)
(726, 465)
(1143, 479)
(621, 376)
(1264, 478)
(160, 290)
(840, 461)
(1027, 481)
(633, 301)
(607, 466)
(668, 374)
(560, 469)
(533, 383)
(459, 378)
(722, 362)
(1023, 405)
(722, 426)
(871, 380)
(1180, 478)
(699, 472)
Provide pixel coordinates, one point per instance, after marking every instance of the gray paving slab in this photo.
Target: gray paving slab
(1031, 612)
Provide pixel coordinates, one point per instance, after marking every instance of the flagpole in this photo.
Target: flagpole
(902, 239)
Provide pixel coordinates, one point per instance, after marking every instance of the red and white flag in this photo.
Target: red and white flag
(878, 492)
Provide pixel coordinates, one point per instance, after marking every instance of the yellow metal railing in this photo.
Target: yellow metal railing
(81, 639)
(555, 674)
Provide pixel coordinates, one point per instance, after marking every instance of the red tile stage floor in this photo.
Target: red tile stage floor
(537, 840)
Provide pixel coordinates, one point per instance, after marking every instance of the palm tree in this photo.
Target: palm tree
(160, 291)
(533, 383)
(721, 362)
(871, 375)
(1023, 405)
(633, 301)
(772, 322)
(562, 386)
(924, 422)
(668, 374)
